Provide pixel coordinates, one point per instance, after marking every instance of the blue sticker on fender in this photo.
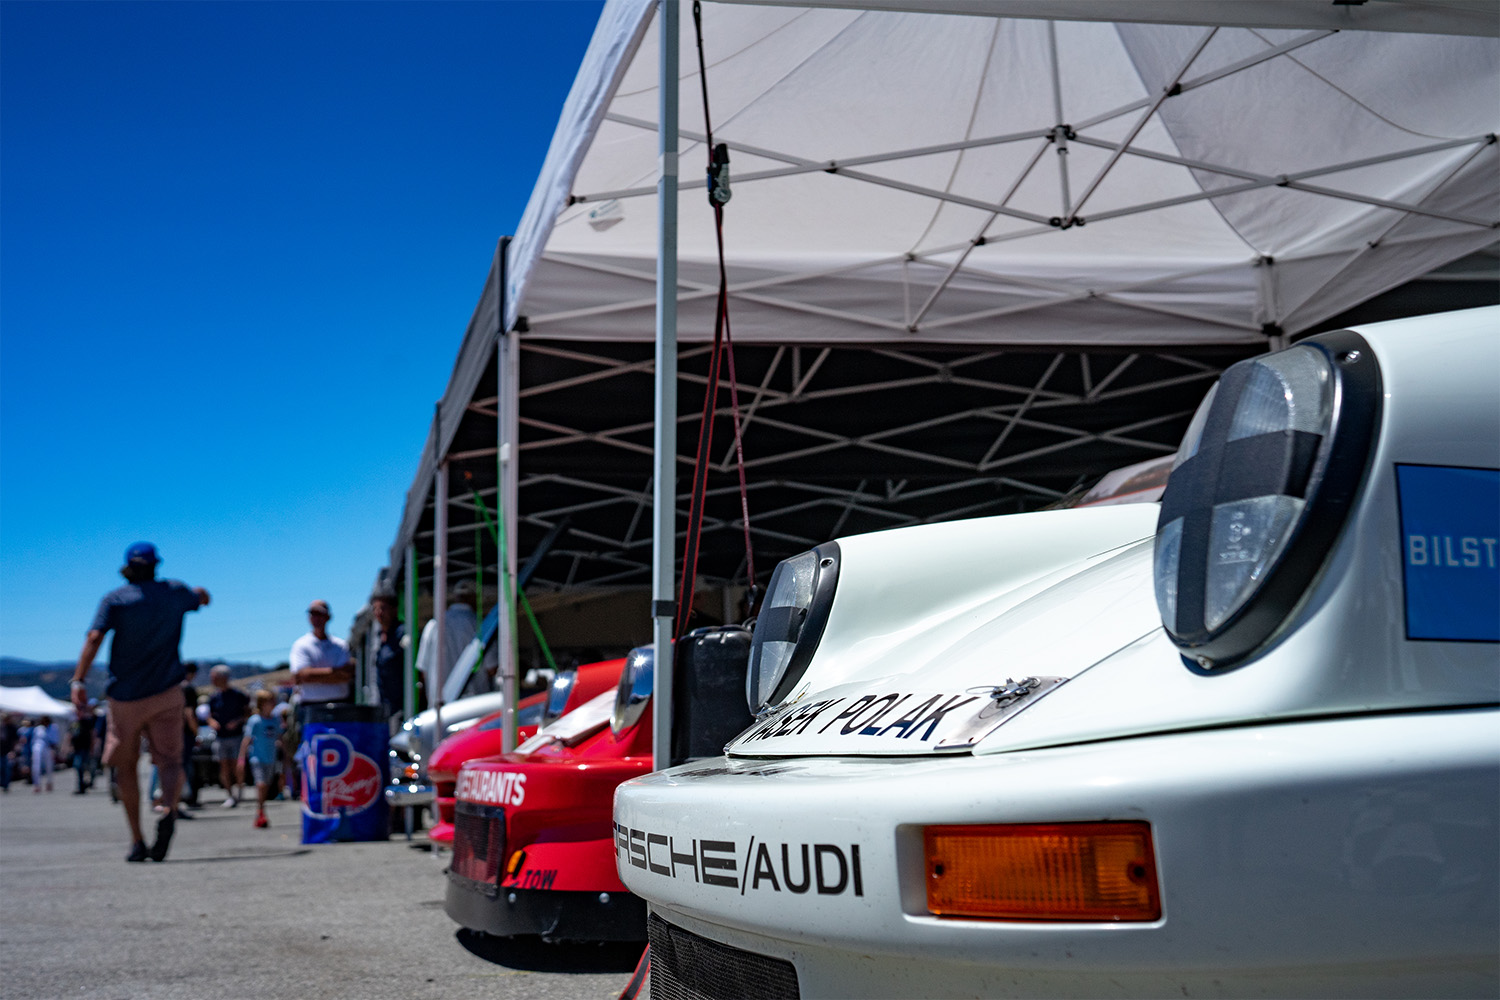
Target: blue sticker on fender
(1450, 530)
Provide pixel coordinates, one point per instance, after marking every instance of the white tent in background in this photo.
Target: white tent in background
(905, 176)
(33, 701)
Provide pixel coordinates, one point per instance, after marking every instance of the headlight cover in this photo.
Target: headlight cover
(634, 691)
(790, 624)
(557, 695)
(1260, 487)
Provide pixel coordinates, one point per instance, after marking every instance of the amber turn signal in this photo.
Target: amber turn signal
(1051, 871)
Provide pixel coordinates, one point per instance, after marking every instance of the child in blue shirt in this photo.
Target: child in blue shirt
(259, 747)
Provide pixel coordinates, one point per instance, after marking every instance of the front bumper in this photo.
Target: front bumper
(555, 916)
(409, 794)
(1341, 857)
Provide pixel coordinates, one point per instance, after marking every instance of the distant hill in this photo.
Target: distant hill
(55, 678)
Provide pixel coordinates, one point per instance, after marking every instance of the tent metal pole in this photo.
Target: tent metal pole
(1255, 60)
(797, 164)
(958, 264)
(507, 405)
(1333, 168)
(1135, 130)
(439, 599)
(509, 518)
(1060, 133)
(1206, 78)
(1380, 240)
(664, 488)
(409, 650)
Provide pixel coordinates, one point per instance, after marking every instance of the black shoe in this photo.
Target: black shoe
(164, 828)
(138, 852)
(184, 814)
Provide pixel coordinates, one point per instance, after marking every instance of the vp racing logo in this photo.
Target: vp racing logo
(346, 781)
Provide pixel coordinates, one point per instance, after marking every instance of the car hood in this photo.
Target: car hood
(1032, 631)
(416, 734)
(947, 688)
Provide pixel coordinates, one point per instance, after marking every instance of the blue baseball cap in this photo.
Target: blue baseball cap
(142, 552)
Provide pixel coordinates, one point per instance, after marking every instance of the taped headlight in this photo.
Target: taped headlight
(790, 624)
(557, 695)
(634, 691)
(1259, 489)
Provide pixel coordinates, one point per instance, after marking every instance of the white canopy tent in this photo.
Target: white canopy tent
(1149, 177)
(33, 701)
(909, 177)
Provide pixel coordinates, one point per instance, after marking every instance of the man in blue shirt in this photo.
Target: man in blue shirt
(144, 697)
(390, 656)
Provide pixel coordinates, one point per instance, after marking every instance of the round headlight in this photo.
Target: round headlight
(557, 695)
(1259, 489)
(790, 624)
(634, 691)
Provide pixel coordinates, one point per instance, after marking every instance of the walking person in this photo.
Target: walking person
(45, 738)
(83, 749)
(101, 729)
(228, 709)
(144, 696)
(189, 796)
(10, 736)
(259, 748)
(390, 656)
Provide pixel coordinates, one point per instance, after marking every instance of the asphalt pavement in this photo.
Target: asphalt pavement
(237, 912)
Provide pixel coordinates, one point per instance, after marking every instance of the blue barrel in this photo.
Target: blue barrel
(343, 756)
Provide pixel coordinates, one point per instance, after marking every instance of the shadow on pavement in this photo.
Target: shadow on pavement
(530, 953)
(249, 854)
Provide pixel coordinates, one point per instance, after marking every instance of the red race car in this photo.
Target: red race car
(569, 690)
(534, 846)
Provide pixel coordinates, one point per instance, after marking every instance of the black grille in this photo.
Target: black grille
(685, 966)
(478, 845)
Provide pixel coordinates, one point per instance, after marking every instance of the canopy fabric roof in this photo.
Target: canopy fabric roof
(975, 256)
(1437, 17)
(33, 701)
(924, 178)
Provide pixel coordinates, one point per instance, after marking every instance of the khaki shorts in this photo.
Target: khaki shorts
(158, 717)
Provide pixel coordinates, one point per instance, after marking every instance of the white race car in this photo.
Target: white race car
(1244, 742)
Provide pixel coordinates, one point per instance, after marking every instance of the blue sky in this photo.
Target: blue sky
(239, 243)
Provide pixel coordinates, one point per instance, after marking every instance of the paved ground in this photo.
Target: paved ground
(237, 912)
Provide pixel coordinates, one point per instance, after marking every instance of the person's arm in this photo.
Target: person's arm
(325, 674)
(304, 671)
(202, 596)
(239, 769)
(80, 691)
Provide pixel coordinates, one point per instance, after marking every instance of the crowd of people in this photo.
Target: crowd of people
(33, 748)
(241, 734)
(153, 705)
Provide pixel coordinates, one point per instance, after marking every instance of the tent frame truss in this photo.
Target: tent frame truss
(1269, 316)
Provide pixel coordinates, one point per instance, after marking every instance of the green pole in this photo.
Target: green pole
(536, 629)
(478, 574)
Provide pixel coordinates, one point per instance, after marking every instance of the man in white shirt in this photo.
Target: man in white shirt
(321, 667)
